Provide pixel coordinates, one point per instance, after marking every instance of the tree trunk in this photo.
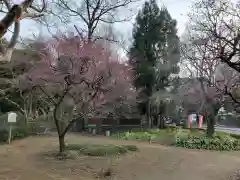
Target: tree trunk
(62, 146)
(162, 123)
(210, 126)
(158, 121)
(149, 115)
(211, 119)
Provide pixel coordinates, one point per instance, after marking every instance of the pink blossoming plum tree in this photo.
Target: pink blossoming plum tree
(77, 77)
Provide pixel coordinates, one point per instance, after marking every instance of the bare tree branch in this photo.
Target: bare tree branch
(94, 12)
(14, 15)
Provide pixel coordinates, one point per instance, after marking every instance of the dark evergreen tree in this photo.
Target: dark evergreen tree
(169, 52)
(167, 66)
(154, 53)
(142, 53)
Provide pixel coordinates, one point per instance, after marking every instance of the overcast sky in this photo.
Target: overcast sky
(177, 8)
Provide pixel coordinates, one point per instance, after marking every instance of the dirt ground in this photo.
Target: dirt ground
(23, 160)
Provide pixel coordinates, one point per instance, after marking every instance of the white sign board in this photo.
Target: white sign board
(12, 117)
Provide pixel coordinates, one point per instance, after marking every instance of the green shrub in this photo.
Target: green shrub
(3, 135)
(32, 128)
(131, 147)
(19, 132)
(101, 150)
(203, 142)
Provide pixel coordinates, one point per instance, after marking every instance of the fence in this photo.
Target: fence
(114, 125)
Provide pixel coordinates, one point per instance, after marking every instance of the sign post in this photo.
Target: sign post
(12, 118)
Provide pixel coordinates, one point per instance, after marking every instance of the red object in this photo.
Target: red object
(18, 17)
(189, 122)
(200, 122)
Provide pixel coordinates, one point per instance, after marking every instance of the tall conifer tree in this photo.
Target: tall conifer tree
(154, 53)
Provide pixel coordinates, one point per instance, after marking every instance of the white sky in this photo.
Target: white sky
(177, 8)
